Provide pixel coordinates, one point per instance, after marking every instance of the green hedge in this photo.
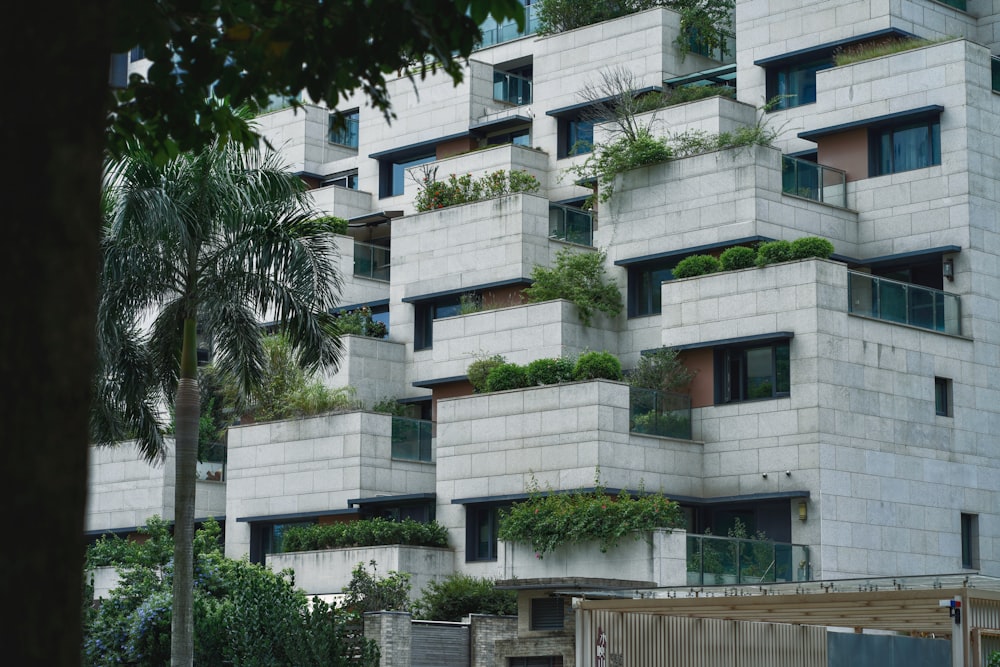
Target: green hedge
(365, 533)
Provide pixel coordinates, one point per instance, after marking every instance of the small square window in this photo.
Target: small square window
(942, 397)
(546, 613)
(344, 132)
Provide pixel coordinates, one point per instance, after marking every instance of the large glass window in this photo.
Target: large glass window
(906, 147)
(392, 175)
(346, 132)
(752, 373)
(576, 136)
(481, 523)
(644, 287)
(426, 313)
(795, 84)
(348, 180)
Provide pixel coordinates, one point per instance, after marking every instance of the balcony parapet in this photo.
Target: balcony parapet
(715, 560)
(904, 303)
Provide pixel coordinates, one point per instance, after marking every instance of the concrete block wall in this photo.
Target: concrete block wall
(374, 368)
(555, 436)
(356, 289)
(342, 202)
(484, 632)
(312, 464)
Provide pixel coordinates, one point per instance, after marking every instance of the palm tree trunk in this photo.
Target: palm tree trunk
(186, 412)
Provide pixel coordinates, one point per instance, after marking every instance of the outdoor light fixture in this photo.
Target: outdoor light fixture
(948, 269)
(802, 511)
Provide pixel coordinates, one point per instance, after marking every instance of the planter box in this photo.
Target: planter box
(658, 558)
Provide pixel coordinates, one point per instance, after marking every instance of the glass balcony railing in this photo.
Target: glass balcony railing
(699, 47)
(571, 224)
(212, 462)
(511, 88)
(905, 303)
(495, 34)
(813, 181)
(654, 412)
(411, 439)
(371, 261)
(728, 561)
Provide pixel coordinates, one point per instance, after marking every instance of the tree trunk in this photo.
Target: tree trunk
(52, 130)
(186, 412)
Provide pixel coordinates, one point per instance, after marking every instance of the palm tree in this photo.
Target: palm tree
(217, 241)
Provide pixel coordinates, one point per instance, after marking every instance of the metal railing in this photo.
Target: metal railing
(411, 439)
(813, 181)
(653, 412)
(371, 261)
(905, 303)
(729, 560)
(571, 224)
(511, 88)
(495, 34)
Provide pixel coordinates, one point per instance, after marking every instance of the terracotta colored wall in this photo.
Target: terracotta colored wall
(703, 385)
(501, 297)
(450, 390)
(455, 146)
(847, 151)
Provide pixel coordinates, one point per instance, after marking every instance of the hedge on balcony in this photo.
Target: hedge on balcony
(365, 533)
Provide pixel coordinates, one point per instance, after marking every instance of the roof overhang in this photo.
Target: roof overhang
(691, 250)
(414, 150)
(827, 49)
(575, 109)
(500, 123)
(402, 499)
(909, 116)
(684, 500)
(756, 339)
(296, 516)
(726, 74)
(439, 381)
(372, 219)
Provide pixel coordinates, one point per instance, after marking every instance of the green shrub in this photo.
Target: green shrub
(692, 93)
(434, 194)
(773, 252)
(578, 277)
(459, 595)
(696, 265)
(507, 376)
(661, 370)
(608, 160)
(811, 246)
(360, 322)
(597, 366)
(550, 371)
(364, 533)
(548, 520)
(334, 224)
(480, 369)
(737, 257)
(370, 592)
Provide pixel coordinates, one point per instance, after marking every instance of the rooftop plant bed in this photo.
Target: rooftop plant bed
(365, 533)
(858, 52)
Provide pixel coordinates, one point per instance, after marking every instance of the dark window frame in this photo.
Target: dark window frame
(575, 136)
(347, 135)
(733, 367)
(547, 613)
(778, 81)
(877, 157)
(643, 291)
(970, 538)
(424, 314)
(942, 397)
(476, 516)
(392, 173)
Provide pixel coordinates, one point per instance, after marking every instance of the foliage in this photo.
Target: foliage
(683, 94)
(154, 549)
(696, 265)
(479, 371)
(459, 595)
(773, 252)
(392, 406)
(597, 366)
(608, 160)
(550, 371)
(434, 194)
(243, 613)
(845, 55)
(549, 520)
(334, 224)
(360, 322)
(470, 303)
(370, 592)
(364, 533)
(695, 142)
(669, 424)
(737, 257)
(811, 246)
(506, 376)
(709, 19)
(578, 277)
(199, 65)
(994, 659)
(661, 370)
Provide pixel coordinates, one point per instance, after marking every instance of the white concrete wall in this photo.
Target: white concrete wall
(312, 465)
(375, 368)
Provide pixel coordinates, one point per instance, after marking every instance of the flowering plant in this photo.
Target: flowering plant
(436, 194)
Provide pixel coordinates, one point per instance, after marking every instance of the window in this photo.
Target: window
(349, 180)
(957, 4)
(795, 84)
(392, 175)
(904, 147)
(942, 397)
(752, 373)
(576, 137)
(267, 538)
(547, 613)
(644, 287)
(481, 523)
(137, 53)
(970, 541)
(520, 137)
(424, 316)
(345, 132)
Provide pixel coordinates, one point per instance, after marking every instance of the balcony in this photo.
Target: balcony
(411, 439)
(371, 261)
(511, 88)
(571, 225)
(810, 180)
(496, 34)
(728, 560)
(659, 413)
(904, 303)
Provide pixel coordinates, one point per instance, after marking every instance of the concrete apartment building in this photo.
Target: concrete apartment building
(874, 452)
